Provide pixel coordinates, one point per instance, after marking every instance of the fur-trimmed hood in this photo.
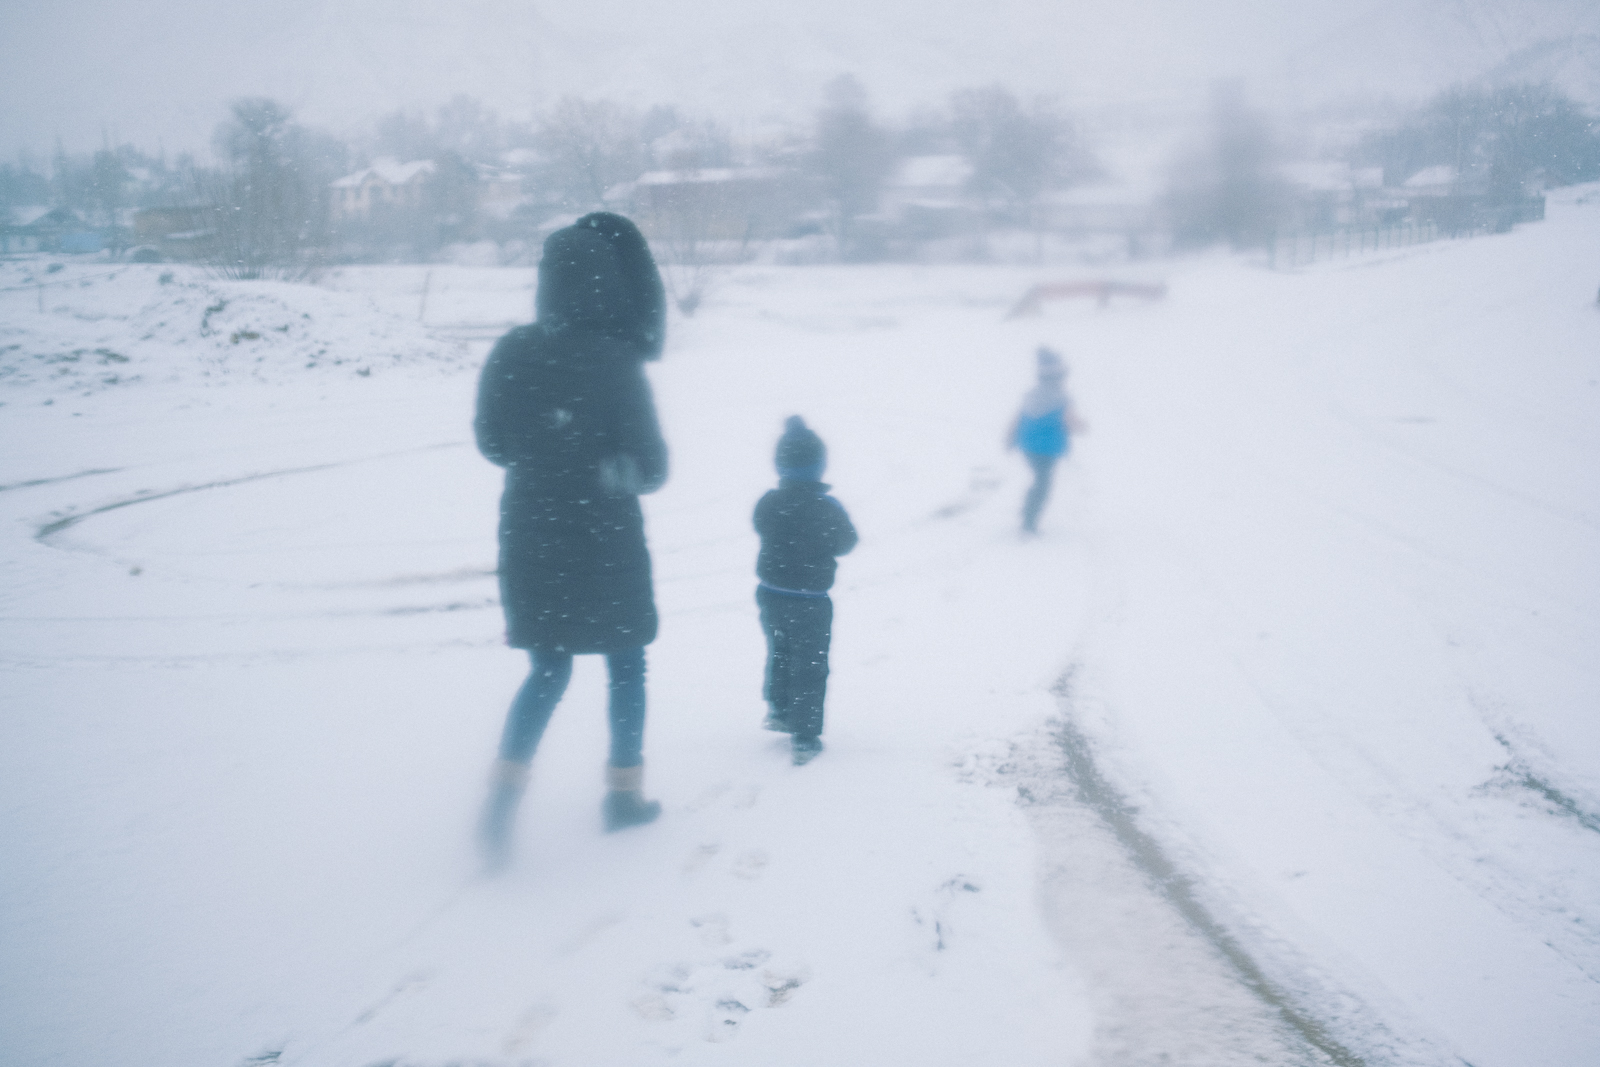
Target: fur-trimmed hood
(597, 276)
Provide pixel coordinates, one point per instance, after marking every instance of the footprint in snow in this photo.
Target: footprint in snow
(724, 1018)
(528, 1026)
(780, 985)
(935, 919)
(750, 864)
(587, 933)
(663, 987)
(654, 1007)
(713, 929)
(700, 857)
(747, 961)
(708, 796)
(721, 992)
(984, 481)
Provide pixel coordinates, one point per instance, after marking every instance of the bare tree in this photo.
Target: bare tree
(1497, 139)
(588, 147)
(463, 127)
(109, 178)
(21, 183)
(269, 202)
(700, 223)
(1016, 152)
(696, 248)
(677, 143)
(851, 158)
(449, 202)
(1226, 190)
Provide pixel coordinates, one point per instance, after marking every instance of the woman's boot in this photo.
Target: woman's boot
(625, 804)
(805, 749)
(507, 782)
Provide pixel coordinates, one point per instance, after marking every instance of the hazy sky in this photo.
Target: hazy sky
(165, 70)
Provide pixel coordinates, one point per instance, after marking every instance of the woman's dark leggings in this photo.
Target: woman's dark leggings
(539, 695)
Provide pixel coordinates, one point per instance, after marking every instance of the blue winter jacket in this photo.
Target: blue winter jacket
(1043, 435)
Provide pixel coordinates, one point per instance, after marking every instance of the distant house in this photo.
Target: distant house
(500, 191)
(1106, 208)
(1441, 180)
(1317, 176)
(386, 185)
(713, 204)
(176, 232)
(152, 225)
(46, 229)
(16, 230)
(932, 181)
(1329, 193)
(927, 196)
(13, 243)
(1457, 203)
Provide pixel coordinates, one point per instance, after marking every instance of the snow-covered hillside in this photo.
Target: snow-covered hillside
(97, 325)
(1277, 746)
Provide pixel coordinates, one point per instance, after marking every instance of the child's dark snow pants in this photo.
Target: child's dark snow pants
(798, 629)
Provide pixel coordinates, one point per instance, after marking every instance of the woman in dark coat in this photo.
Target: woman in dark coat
(565, 408)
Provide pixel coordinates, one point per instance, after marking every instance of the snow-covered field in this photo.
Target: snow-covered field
(1278, 746)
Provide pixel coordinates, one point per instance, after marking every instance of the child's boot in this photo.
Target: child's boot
(625, 804)
(508, 780)
(776, 722)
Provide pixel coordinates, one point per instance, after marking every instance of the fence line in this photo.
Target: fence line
(1297, 249)
(77, 279)
(1446, 217)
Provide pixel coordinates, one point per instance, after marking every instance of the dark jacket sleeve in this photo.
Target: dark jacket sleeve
(762, 519)
(840, 531)
(639, 432)
(499, 393)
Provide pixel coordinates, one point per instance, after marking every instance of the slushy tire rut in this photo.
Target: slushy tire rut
(1178, 889)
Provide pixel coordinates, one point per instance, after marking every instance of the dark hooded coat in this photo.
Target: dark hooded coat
(565, 408)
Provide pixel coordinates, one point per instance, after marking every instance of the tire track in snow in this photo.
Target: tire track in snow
(49, 529)
(1522, 774)
(32, 482)
(1179, 890)
(1215, 1004)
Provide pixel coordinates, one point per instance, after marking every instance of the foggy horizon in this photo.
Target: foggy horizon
(96, 72)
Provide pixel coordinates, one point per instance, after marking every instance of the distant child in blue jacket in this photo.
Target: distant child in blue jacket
(1043, 431)
(803, 530)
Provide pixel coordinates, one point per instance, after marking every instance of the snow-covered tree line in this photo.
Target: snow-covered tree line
(1463, 159)
(270, 194)
(277, 196)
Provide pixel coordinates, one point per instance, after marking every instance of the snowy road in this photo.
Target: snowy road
(1314, 599)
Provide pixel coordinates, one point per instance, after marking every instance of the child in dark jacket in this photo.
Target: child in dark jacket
(803, 530)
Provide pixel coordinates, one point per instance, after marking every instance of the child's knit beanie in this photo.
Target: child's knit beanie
(801, 453)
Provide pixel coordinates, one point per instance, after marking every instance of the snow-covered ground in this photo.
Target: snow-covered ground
(1278, 746)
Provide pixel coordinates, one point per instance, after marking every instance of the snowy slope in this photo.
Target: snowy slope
(1363, 587)
(1312, 597)
(294, 620)
(85, 327)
